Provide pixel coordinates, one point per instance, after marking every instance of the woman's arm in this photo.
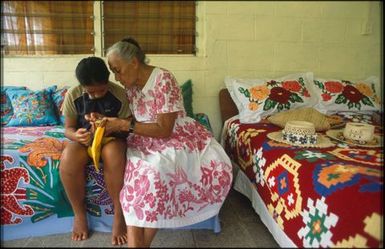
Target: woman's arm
(161, 129)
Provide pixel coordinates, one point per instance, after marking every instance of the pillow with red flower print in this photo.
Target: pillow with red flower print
(259, 98)
(343, 95)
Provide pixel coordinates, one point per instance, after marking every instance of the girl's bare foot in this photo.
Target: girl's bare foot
(80, 228)
(119, 230)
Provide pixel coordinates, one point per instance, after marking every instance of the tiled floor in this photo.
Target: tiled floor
(241, 227)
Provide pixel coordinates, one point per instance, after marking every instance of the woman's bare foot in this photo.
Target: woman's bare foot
(80, 228)
(119, 230)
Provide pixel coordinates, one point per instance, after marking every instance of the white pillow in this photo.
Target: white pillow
(341, 95)
(259, 98)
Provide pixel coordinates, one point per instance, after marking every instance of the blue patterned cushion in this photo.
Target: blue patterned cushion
(204, 120)
(32, 108)
(6, 106)
(58, 98)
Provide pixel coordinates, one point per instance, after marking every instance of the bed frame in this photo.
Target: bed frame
(226, 105)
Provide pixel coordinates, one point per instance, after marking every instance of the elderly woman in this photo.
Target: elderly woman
(176, 173)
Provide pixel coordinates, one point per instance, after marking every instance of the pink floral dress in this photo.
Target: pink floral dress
(176, 181)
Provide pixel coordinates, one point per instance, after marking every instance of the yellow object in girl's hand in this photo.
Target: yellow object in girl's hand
(99, 140)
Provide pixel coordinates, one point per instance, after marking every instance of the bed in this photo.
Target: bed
(306, 197)
(33, 200)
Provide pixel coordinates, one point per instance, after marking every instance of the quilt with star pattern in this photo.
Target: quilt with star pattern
(329, 197)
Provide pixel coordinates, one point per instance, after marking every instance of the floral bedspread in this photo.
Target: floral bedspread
(33, 200)
(329, 197)
(32, 194)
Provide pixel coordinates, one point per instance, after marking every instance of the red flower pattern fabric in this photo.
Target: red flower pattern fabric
(259, 98)
(175, 181)
(11, 193)
(342, 95)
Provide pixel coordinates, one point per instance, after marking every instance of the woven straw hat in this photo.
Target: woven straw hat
(356, 134)
(302, 134)
(321, 122)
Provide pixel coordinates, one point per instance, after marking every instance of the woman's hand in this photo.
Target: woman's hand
(84, 136)
(115, 125)
(93, 117)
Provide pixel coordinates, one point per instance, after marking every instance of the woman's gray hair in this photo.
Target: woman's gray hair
(127, 49)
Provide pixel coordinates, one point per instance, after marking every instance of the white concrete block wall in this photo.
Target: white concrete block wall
(249, 39)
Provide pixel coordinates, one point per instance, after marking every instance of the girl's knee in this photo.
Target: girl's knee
(116, 149)
(73, 156)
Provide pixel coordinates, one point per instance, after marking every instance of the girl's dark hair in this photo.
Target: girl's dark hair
(92, 71)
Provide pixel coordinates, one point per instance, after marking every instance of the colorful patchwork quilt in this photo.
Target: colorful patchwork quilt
(33, 200)
(329, 197)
